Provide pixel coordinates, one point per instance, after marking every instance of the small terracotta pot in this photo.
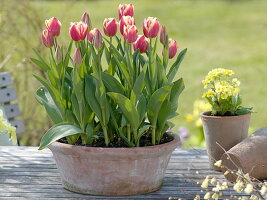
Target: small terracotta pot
(112, 171)
(250, 155)
(225, 130)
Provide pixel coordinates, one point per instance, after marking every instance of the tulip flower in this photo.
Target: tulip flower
(151, 27)
(124, 21)
(53, 25)
(141, 44)
(58, 55)
(173, 47)
(78, 31)
(110, 27)
(77, 57)
(47, 38)
(130, 33)
(95, 36)
(126, 10)
(163, 34)
(86, 19)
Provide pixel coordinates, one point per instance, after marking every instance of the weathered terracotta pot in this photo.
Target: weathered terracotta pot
(250, 155)
(112, 171)
(225, 130)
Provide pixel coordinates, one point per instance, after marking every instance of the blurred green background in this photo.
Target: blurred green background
(230, 34)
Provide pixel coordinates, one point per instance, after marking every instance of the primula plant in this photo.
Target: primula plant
(113, 91)
(222, 92)
(7, 128)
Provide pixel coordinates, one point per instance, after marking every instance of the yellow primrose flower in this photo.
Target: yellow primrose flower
(199, 123)
(236, 82)
(211, 93)
(189, 118)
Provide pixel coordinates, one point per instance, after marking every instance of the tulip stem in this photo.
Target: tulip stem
(129, 132)
(153, 135)
(110, 48)
(105, 135)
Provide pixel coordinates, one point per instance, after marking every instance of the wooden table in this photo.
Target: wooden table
(26, 173)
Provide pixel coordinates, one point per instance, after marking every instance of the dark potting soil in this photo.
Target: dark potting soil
(118, 142)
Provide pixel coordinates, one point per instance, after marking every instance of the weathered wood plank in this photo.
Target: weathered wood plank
(11, 110)
(18, 124)
(5, 79)
(7, 94)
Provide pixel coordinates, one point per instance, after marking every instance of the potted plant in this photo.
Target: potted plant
(227, 123)
(111, 104)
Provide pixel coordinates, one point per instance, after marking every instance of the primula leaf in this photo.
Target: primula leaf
(243, 111)
(57, 132)
(174, 68)
(155, 102)
(51, 108)
(128, 109)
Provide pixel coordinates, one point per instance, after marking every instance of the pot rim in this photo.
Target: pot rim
(175, 142)
(205, 114)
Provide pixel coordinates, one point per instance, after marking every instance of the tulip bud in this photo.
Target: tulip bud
(124, 21)
(86, 19)
(163, 34)
(47, 38)
(77, 57)
(141, 44)
(58, 54)
(151, 27)
(53, 25)
(173, 47)
(126, 10)
(78, 31)
(130, 33)
(98, 40)
(110, 27)
(95, 36)
(91, 34)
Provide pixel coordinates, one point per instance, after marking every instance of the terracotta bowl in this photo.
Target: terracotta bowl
(112, 171)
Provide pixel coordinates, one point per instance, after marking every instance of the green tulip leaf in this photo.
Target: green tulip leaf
(156, 101)
(57, 132)
(174, 68)
(112, 84)
(177, 88)
(47, 101)
(127, 107)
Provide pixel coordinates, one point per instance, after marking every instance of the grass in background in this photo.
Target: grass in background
(229, 34)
